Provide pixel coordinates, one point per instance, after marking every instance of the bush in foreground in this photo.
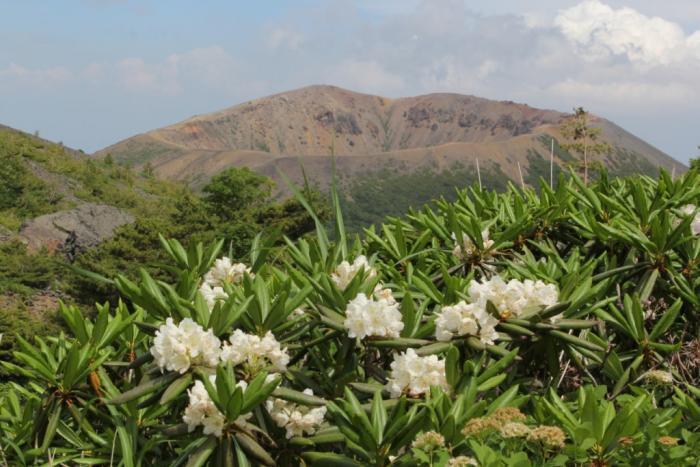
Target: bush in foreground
(502, 329)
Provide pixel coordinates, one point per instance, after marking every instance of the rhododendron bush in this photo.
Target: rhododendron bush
(520, 328)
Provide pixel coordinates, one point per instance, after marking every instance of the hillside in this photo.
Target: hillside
(431, 142)
(58, 205)
(368, 133)
(48, 191)
(60, 208)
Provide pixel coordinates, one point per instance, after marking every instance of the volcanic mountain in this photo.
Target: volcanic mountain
(372, 135)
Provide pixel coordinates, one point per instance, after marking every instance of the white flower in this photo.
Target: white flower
(658, 377)
(414, 375)
(296, 419)
(369, 317)
(466, 319)
(296, 313)
(226, 272)
(380, 293)
(212, 294)
(466, 248)
(345, 271)
(202, 410)
(176, 348)
(515, 297)
(690, 210)
(462, 461)
(258, 353)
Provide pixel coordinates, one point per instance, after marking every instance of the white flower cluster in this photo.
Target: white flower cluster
(223, 272)
(380, 293)
(511, 299)
(466, 319)
(176, 348)
(296, 419)
(202, 410)
(345, 271)
(226, 272)
(692, 210)
(376, 316)
(514, 297)
(258, 353)
(212, 294)
(466, 248)
(414, 374)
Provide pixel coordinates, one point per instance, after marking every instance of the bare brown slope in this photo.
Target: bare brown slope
(303, 122)
(364, 130)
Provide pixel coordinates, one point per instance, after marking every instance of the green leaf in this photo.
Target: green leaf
(51, 427)
(176, 388)
(144, 388)
(666, 320)
(577, 341)
(203, 452)
(253, 449)
(378, 417)
(646, 285)
(328, 459)
(452, 370)
(298, 397)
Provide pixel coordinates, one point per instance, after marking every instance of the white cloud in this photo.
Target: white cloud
(38, 76)
(211, 66)
(365, 75)
(284, 38)
(627, 93)
(602, 32)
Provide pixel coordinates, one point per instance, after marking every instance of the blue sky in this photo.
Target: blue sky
(92, 72)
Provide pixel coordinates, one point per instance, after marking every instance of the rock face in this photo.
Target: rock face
(75, 229)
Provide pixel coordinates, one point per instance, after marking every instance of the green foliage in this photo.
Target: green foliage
(582, 138)
(22, 194)
(602, 375)
(695, 163)
(20, 271)
(235, 190)
(159, 207)
(370, 198)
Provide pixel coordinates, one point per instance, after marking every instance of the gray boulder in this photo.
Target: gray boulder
(75, 229)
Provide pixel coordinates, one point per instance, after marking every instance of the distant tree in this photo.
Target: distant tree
(582, 138)
(235, 190)
(695, 163)
(147, 170)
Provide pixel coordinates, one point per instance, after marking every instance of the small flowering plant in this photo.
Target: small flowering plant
(221, 405)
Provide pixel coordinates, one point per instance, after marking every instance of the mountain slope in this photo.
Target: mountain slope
(41, 178)
(55, 204)
(366, 133)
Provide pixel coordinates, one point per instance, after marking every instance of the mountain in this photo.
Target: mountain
(404, 151)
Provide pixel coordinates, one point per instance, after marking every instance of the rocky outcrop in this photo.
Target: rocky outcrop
(75, 229)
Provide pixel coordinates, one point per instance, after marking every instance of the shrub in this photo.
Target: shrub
(500, 329)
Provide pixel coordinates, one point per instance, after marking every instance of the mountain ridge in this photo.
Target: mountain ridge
(304, 124)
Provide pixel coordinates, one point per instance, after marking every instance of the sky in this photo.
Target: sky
(92, 72)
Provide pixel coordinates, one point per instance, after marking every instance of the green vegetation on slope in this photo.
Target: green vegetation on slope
(368, 199)
(38, 177)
